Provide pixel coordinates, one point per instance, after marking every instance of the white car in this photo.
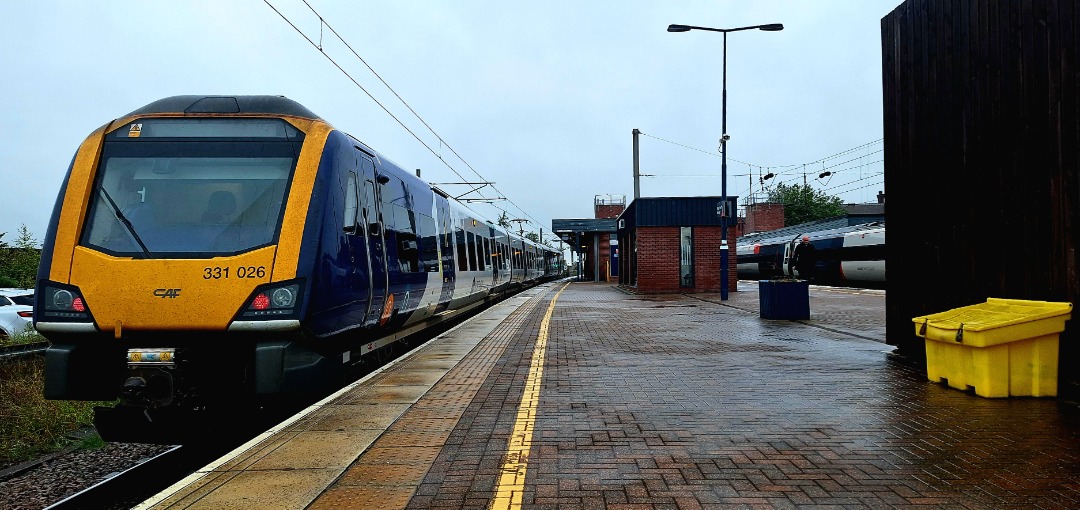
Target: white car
(16, 311)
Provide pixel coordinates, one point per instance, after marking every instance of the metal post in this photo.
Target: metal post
(771, 27)
(637, 167)
(723, 184)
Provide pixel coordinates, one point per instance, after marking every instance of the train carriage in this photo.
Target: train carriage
(847, 256)
(209, 249)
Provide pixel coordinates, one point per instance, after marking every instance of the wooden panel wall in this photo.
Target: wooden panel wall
(982, 155)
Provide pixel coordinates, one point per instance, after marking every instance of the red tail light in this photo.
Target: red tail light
(27, 314)
(261, 302)
(78, 305)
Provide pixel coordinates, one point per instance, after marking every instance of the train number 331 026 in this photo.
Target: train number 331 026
(217, 273)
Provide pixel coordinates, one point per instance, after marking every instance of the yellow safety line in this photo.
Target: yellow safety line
(512, 480)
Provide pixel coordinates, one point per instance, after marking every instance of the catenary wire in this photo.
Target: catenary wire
(318, 46)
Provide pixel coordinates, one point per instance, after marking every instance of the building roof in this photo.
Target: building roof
(677, 211)
(865, 209)
(567, 229)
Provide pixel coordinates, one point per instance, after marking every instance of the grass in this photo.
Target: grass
(30, 425)
(27, 337)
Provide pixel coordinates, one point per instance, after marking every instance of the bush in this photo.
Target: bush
(19, 262)
(29, 424)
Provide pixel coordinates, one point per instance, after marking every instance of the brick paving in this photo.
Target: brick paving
(685, 402)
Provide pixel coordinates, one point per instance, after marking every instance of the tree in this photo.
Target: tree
(19, 262)
(532, 236)
(504, 220)
(803, 203)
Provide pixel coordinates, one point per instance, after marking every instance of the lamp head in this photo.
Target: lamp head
(678, 28)
(773, 27)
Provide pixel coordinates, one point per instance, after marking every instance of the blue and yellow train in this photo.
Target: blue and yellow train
(206, 250)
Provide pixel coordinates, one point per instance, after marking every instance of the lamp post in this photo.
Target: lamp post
(772, 27)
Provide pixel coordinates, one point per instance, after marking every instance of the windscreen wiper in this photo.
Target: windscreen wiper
(124, 221)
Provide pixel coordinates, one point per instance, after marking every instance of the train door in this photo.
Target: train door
(378, 281)
(356, 287)
(789, 251)
(490, 250)
(446, 235)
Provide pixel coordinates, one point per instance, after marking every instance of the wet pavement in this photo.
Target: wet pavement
(667, 401)
(681, 402)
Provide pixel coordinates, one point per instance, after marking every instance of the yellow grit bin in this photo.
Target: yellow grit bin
(1002, 348)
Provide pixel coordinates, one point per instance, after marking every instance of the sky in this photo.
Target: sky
(539, 98)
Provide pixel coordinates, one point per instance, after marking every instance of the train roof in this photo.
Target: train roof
(275, 105)
(829, 225)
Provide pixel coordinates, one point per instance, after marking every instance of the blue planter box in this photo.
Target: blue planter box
(784, 299)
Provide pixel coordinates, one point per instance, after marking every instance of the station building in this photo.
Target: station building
(594, 246)
(672, 245)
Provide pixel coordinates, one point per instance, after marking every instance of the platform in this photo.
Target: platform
(663, 401)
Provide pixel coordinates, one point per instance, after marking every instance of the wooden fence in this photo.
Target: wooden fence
(982, 160)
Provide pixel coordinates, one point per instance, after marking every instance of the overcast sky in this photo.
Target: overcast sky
(538, 97)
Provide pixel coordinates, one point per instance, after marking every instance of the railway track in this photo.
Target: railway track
(128, 488)
(17, 352)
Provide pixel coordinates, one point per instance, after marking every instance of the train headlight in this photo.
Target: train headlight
(283, 297)
(62, 300)
(273, 301)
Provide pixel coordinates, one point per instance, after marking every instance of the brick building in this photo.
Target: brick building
(593, 240)
(763, 217)
(673, 245)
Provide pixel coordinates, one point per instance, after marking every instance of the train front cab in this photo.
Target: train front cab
(159, 246)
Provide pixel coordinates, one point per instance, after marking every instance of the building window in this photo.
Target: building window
(686, 257)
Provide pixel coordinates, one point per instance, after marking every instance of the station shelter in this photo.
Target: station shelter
(594, 246)
(672, 245)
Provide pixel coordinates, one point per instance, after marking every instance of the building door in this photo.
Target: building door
(614, 265)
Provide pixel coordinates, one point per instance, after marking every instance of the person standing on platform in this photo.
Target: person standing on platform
(803, 259)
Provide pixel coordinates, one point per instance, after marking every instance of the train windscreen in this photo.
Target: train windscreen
(191, 188)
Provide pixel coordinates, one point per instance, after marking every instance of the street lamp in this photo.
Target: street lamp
(772, 27)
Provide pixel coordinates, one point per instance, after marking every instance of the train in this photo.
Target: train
(206, 251)
(851, 256)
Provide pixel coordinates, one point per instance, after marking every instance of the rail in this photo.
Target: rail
(18, 352)
(129, 487)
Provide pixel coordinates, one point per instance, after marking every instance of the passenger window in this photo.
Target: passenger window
(348, 223)
(429, 250)
(408, 243)
(480, 253)
(472, 251)
(462, 252)
(369, 205)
